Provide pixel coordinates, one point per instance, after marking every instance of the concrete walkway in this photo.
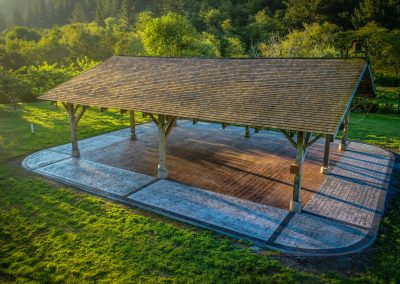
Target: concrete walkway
(342, 217)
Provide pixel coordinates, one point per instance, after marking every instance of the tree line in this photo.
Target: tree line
(59, 33)
(347, 14)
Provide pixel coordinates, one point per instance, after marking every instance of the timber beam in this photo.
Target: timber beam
(325, 169)
(301, 142)
(74, 118)
(247, 132)
(132, 123)
(345, 129)
(165, 124)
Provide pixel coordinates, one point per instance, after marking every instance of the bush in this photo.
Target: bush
(364, 105)
(23, 33)
(14, 88)
(27, 83)
(386, 80)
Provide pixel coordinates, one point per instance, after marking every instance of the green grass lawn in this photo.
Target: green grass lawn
(378, 129)
(51, 233)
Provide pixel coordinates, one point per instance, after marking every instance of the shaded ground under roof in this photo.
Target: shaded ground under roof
(223, 161)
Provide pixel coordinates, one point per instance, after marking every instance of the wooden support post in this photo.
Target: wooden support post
(303, 141)
(194, 121)
(132, 124)
(247, 132)
(295, 203)
(325, 167)
(72, 124)
(342, 145)
(162, 147)
(256, 129)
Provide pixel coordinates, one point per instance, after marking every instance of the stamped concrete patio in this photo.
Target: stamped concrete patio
(237, 186)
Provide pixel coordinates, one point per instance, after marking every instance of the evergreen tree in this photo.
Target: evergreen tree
(165, 6)
(3, 22)
(78, 14)
(300, 12)
(386, 13)
(127, 12)
(32, 15)
(17, 16)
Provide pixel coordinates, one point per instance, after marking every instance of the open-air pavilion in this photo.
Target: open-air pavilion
(274, 123)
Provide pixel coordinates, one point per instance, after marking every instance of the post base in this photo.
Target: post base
(342, 147)
(325, 170)
(133, 136)
(75, 153)
(162, 172)
(295, 207)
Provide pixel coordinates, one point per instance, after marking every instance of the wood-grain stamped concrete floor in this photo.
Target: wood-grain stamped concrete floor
(222, 161)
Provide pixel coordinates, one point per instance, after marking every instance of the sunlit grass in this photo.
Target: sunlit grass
(378, 129)
(51, 127)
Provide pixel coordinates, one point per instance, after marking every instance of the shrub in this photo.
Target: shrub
(364, 105)
(27, 83)
(387, 80)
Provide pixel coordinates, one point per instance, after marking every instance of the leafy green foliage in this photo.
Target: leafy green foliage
(382, 12)
(316, 40)
(29, 82)
(13, 88)
(300, 12)
(173, 35)
(383, 79)
(383, 45)
(22, 33)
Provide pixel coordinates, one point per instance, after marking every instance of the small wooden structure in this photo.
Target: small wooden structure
(306, 99)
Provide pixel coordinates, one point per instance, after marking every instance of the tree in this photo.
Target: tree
(32, 15)
(315, 40)
(383, 45)
(233, 48)
(166, 6)
(85, 40)
(300, 12)
(261, 28)
(212, 20)
(385, 13)
(23, 33)
(127, 12)
(173, 35)
(17, 17)
(3, 22)
(78, 15)
(12, 88)
(338, 12)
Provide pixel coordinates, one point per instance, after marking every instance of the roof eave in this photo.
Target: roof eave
(367, 67)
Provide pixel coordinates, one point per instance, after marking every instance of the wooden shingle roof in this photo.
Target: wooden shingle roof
(293, 94)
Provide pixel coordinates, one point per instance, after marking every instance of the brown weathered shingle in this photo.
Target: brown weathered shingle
(293, 94)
